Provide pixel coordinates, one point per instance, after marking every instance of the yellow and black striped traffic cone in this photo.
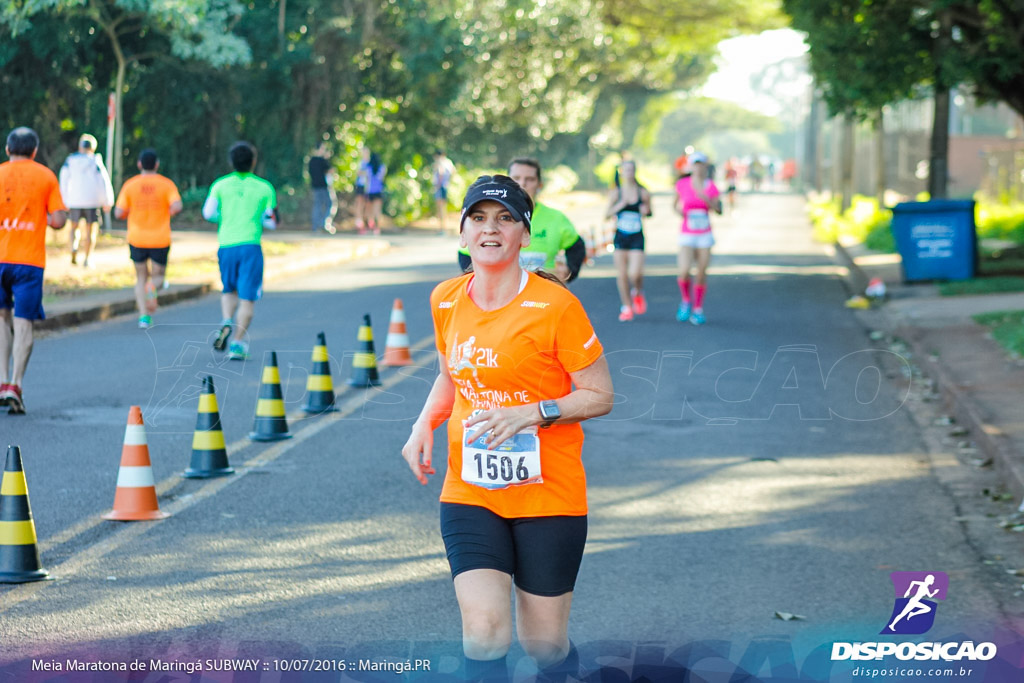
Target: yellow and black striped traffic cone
(209, 456)
(319, 387)
(270, 423)
(19, 556)
(364, 363)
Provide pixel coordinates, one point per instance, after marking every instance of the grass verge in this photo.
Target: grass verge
(1007, 329)
(998, 284)
(83, 281)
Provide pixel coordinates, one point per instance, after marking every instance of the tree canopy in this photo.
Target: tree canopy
(868, 53)
(485, 81)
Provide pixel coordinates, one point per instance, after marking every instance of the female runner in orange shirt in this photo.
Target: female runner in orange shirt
(512, 345)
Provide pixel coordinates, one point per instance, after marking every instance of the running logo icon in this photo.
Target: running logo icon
(914, 611)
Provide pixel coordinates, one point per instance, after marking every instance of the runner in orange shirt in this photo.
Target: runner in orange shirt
(512, 345)
(148, 201)
(29, 201)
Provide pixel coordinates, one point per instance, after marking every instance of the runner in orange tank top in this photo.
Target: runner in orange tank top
(512, 345)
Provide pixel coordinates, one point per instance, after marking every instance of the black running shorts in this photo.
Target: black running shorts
(156, 255)
(542, 554)
(629, 241)
(90, 215)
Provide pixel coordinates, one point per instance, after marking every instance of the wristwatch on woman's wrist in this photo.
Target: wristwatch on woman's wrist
(549, 412)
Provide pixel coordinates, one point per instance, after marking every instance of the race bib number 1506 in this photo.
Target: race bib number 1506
(514, 463)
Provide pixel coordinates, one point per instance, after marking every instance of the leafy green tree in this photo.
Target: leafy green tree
(137, 30)
(483, 80)
(868, 53)
(989, 36)
(864, 53)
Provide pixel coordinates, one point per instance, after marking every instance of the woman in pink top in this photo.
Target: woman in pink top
(697, 197)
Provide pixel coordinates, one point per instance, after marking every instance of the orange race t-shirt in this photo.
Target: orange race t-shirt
(147, 198)
(28, 191)
(521, 353)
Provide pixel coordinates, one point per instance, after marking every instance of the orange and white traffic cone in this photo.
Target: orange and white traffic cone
(135, 498)
(396, 348)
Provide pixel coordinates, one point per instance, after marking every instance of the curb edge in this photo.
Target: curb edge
(990, 439)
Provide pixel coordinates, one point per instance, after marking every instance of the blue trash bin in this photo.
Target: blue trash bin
(936, 239)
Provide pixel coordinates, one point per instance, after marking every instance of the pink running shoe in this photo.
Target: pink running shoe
(639, 303)
(625, 314)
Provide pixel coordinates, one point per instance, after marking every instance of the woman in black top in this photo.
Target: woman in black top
(628, 203)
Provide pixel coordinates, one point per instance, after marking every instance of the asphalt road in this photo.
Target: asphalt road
(763, 463)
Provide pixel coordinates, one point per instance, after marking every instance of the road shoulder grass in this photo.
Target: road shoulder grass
(1007, 329)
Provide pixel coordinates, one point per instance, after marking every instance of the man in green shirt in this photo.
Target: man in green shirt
(551, 231)
(241, 204)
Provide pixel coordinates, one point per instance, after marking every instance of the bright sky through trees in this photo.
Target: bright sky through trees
(745, 56)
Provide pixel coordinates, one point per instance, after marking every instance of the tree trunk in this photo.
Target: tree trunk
(635, 101)
(835, 159)
(880, 180)
(811, 161)
(938, 171)
(846, 163)
(282, 9)
(117, 163)
(114, 165)
(938, 161)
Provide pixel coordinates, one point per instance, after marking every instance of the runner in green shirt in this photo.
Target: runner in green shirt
(242, 205)
(551, 230)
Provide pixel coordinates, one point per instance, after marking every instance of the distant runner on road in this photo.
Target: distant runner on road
(374, 172)
(359, 190)
(697, 196)
(321, 182)
(29, 201)
(242, 204)
(629, 203)
(148, 201)
(85, 187)
(441, 178)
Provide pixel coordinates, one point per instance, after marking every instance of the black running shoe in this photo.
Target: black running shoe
(221, 342)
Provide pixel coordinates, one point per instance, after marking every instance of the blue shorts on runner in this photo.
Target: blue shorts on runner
(241, 270)
(542, 554)
(21, 288)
